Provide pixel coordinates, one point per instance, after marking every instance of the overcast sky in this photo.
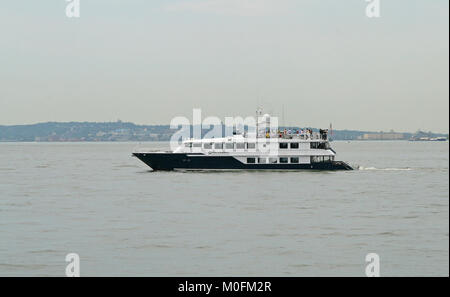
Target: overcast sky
(149, 61)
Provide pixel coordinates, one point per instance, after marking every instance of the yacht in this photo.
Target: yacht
(267, 150)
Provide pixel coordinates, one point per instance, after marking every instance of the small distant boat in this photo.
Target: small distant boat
(428, 139)
(293, 151)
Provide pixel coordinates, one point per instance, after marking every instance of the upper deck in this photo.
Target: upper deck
(282, 143)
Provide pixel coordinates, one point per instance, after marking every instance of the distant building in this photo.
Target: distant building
(383, 136)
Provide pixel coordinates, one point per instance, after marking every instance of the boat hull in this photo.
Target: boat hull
(173, 161)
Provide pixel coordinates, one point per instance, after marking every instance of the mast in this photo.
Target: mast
(331, 131)
(257, 124)
(258, 113)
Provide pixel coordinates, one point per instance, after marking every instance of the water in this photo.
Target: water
(94, 199)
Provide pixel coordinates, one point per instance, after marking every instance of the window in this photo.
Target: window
(294, 160)
(283, 160)
(315, 159)
(197, 144)
(294, 145)
(251, 160)
(262, 160)
(240, 145)
(314, 145)
(218, 146)
(207, 146)
(229, 145)
(324, 145)
(273, 160)
(251, 145)
(283, 145)
(188, 144)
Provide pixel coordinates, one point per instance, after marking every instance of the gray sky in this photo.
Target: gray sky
(148, 61)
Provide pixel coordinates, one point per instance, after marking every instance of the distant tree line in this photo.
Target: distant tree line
(126, 131)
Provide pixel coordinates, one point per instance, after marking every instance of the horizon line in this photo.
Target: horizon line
(285, 126)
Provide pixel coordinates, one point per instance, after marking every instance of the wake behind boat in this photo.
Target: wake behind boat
(270, 150)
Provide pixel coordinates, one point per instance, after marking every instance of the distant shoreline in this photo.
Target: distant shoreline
(168, 141)
(130, 132)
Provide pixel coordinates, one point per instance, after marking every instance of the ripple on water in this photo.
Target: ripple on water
(45, 251)
(23, 266)
(7, 169)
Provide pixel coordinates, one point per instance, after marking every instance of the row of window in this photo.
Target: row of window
(315, 159)
(286, 160)
(313, 145)
(271, 160)
(246, 145)
(220, 145)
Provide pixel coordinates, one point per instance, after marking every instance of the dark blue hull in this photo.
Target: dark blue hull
(171, 161)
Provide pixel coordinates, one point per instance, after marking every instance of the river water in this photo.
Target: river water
(95, 200)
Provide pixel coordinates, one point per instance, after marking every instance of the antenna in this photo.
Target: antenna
(331, 132)
(257, 120)
(258, 113)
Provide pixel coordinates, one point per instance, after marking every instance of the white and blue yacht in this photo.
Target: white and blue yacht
(269, 150)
